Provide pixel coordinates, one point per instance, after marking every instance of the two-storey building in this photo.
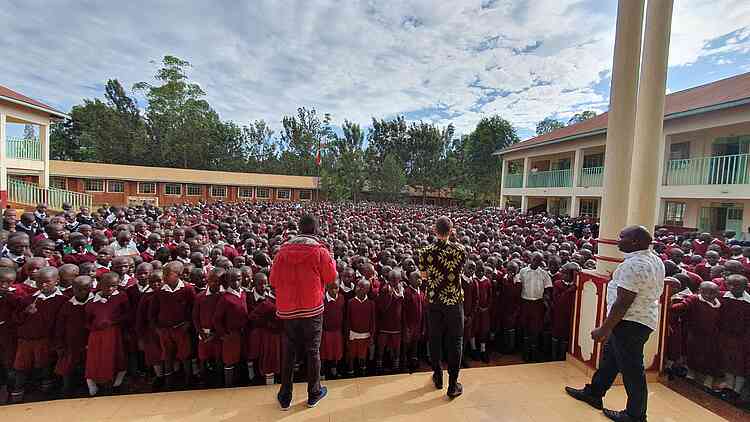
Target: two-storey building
(705, 181)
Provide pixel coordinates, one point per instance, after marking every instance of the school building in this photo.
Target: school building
(704, 183)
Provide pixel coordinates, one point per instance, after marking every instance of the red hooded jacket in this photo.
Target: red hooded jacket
(301, 269)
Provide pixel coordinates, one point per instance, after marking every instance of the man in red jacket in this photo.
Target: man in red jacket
(301, 270)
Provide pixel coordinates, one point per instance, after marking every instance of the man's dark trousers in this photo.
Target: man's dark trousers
(301, 338)
(446, 328)
(623, 353)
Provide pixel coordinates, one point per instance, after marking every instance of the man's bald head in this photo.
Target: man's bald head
(634, 238)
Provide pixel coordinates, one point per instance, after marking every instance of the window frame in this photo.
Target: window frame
(307, 192)
(259, 190)
(64, 180)
(142, 192)
(110, 190)
(86, 187)
(193, 185)
(285, 190)
(240, 189)
(168, 185)
(684, 148)
(211, 191)
(672, 210)
(590, 203)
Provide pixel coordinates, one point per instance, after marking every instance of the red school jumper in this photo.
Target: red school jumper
(268, 332)
(36, 330)
(229, 320)
(106, 319)
(482, 320)
(8, 338)
(389, 305)
(71, 335)
(733, 332)
(148, 338)
(332, 342)
(563, 300)
(702, 323)
(204, 310)
(171, 312)
(413, 309)
(360, 327)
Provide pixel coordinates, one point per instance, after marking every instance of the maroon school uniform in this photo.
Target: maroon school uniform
(36, 330)
(469, 284)
(510, 302)
(8, 340)
(27, 288)
(360, 327)
(252, 338)
(374, 287)
(704, 270)
(171, 312)
(702, 323)
(268, 331)
(204, 310)
(347, 291)
(106, 319)
(229, 320)
(482, 319)
(71, 335)
(148, 338)
(332, 343)
(413, 310)
(563, 298)
(79, 258)
(389, 306)
(676, 337)
(148, 255)
(733, 332)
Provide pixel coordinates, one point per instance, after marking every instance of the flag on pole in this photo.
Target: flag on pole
(317, 158)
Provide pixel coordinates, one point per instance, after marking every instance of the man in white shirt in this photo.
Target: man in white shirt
(632, 314)
(536, 285)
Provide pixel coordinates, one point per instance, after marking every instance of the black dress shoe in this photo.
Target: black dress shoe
(620, 416)
(584, 396)
(437, 379)
(455, 390)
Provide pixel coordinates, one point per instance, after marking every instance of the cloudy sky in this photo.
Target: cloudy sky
(444, 61)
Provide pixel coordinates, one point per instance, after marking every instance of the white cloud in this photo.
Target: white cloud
(355, 59)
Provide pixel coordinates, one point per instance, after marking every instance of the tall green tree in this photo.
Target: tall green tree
(582, 116)
(481, 167)
(548, 125)
(346, 163)
(300, 138)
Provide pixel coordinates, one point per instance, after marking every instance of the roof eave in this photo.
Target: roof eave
(51, 111)
(553, 141)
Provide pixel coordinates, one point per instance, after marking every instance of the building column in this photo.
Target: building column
(503, 175)
(524, 203)
(573, 212)
(577, 165)
(3, 163)
(44, 139)
(526, 170)
(503, 201)
(649, 125)
(620, 131)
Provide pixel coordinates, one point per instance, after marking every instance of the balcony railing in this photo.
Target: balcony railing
(550, 179)
(24, 148)
(591, 176)
(720, 170)
(513, 180)
(21, 192)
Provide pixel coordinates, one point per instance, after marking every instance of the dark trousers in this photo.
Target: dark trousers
(446, 325)
(301, 338)
(623, 353)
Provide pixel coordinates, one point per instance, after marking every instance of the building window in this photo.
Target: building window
(263, 193)
(674, 213)
(305, 195)
(115, 186)
(245, 192)
(283, 194)
(194, 190)
(146, 187)
(679, 151)
(594, 160)
(93, 185)
(589, 208)
(173, 189)
(219, 191)
(58, 182)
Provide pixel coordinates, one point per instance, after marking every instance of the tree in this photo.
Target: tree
(301, 137)
(548, 125)
(391, 179)
(29, 132)
(429, 145)
(582, 116)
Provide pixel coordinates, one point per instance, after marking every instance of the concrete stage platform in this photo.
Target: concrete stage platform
(523, 393)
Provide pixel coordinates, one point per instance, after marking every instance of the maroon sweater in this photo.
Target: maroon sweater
(413, 309)
(101, 315)
(142, 321)
(71, 332)
(8, 307)
(389, 309)
(231, 313)
(360, 316)
(42, 323)
(204, 309)
(170, 309)
(333, 315)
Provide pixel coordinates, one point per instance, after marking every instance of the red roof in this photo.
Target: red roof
(712, 94)
(13, 95)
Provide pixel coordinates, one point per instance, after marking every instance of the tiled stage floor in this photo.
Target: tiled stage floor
(524, 393)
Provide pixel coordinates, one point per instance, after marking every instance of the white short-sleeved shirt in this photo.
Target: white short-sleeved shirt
(533, 282)
(642, 272)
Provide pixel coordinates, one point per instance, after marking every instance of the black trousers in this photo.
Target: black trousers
(623, 353)
(301, 338)
(446, 331)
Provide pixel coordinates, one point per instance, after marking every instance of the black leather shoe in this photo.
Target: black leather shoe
(455, 390)
(584, 396)
(437, 379)
(620, 416)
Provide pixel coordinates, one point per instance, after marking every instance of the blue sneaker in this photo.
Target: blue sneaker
(284, 403)
(312, 402)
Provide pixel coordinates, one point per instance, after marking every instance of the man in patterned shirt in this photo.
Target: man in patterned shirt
(441, 264)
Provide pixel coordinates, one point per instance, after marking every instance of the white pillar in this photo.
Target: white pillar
(577, 165)
(649, 126)
(3, 162)
(526, 170)
(503, 181)
(44, 139)
(620, 130)
(574, 206)
(524, 203)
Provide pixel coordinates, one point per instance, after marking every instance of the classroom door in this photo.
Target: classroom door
(733, 220)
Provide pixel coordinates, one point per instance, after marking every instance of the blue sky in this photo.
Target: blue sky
(447, 62)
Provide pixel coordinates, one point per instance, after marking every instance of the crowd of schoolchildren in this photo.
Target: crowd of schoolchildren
(181, 296)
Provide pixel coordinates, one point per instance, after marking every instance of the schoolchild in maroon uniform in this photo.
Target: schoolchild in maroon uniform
(510, 302)
(268, 329)
(482, 319)
(68, 273)
(28, 286)
(171, 312)
(360, 327)
(123, 266)
(702, 313)
(712, 259)
(153, 243)
(332, 340)
(368, 272)
(733, 334)
(536, 290)
(347, 285)
(46, 249)
(71, 334)
(414, 321)
(253, 337)
(230, 319)
(80, 254)
(389, 305)
(148, 337)
(676, 346)
(104, 260)
(469, 285)
(9, 300)
(563, 299)
(204, 310)
(35, 321)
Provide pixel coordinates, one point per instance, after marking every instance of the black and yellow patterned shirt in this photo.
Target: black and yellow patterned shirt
(441, 265)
